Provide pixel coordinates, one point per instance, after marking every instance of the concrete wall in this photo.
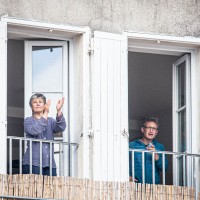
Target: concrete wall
(179, 18)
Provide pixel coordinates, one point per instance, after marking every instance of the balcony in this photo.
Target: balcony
(64, 154)
(180, 181)
(183, 168)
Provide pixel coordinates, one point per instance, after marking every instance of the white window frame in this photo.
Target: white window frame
(188, 106)
(170, 45)
(65, 33)
(28, 73)
(28, 88)
(3, 99)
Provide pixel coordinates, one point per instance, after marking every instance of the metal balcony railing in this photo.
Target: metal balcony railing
(64, 153)
(184, 167)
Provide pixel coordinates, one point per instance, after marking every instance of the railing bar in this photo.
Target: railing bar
(41, 157)
(61, 159)
(184, 172)
(31, 198)
(20, 156)
(143, 168)
(10, 156)
(50, 159)
(31, 156)
(24, 142)
(167, 152)
(163, 168)
(69, 160)
(196, 179)
(44, 141)
(153, 167)
(25, 145)
(192, 174)
(133, 166)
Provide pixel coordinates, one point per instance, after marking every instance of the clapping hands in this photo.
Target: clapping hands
(59, 106)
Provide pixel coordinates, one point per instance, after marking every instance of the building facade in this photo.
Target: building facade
(114, 62)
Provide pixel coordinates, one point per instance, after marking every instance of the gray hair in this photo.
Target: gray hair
(151, 119)
(35, 96)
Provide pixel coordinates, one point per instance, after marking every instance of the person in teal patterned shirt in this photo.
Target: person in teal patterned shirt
(147, 142)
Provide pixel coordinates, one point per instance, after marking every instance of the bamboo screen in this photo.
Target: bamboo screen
(38, 186)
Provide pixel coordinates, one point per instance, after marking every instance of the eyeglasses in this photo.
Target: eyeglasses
(151, 128)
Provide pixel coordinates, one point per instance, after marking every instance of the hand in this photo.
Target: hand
(46, 108)
(59, 106)
(131, 179)
(152, 148)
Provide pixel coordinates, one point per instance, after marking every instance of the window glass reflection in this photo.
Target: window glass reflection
(47, 68)
(181, 85)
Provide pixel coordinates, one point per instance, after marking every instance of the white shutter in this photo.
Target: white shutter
(3, 99)
(110, 107)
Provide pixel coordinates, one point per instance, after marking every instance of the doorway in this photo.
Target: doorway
(150, 94)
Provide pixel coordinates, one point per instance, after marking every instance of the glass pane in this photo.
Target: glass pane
(181, 85)
(47, 68)
(182, 131)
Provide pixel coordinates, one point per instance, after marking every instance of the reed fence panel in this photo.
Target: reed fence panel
(67, 188)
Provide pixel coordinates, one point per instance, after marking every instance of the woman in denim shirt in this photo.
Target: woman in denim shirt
(40, 126)
(147, 142)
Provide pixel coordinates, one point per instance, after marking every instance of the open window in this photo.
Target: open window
(162, 71)
(23, 43)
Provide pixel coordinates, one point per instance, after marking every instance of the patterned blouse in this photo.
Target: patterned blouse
(42, 129)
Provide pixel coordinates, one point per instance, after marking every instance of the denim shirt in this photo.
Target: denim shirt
(137, 144)
(42, 129)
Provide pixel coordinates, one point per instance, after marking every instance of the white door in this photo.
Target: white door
(110, 107)
(46, 72)
(182, 120)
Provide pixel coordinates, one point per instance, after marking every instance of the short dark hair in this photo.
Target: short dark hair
(151, 119)
(35, 96)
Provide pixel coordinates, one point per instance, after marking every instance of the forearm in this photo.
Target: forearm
(60, 124)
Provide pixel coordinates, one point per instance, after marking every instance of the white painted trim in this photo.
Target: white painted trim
(164, 38)
(185, 58)
(44, 25)
(86, 105)
(29, 90)
(3, 99)
(47, 43)
(68, 33)
(177, 45)
(110, 107)
(111, 36)
(158, 49)
(173, 44)
(65, 92)
(27, 77)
